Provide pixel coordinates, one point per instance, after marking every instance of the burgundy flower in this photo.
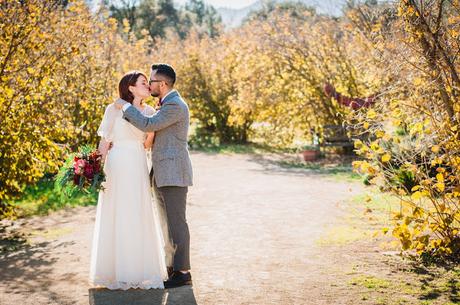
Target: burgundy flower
(85, 167)
(89, 171)
(97, 166)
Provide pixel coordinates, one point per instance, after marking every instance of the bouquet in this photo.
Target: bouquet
(82, 171)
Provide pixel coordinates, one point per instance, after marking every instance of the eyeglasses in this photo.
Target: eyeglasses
(157, 81)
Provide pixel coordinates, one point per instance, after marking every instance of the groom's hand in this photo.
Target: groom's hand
(119, 103)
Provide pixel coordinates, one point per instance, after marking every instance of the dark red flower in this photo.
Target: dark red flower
(97, 166)
(89, 171)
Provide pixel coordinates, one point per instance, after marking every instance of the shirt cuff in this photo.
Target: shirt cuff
(126, 106)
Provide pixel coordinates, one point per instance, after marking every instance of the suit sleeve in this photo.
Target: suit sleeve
(169, 114)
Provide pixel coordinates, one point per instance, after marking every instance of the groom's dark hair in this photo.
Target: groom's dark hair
(166, 71)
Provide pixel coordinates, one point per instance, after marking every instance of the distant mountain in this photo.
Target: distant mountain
(234, 17)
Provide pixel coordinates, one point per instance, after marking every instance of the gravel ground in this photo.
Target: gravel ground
(254, 231)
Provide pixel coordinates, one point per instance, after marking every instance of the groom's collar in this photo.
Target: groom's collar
(170, 94)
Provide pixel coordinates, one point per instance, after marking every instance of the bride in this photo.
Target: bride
(128, 242)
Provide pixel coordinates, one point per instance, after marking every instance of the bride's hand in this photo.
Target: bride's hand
(119, 103)
(149, 140)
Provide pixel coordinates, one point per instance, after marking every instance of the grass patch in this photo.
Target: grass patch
(405, 286)
(370, 282)
(52, 234)
(340, 172)
(41, 198)
(440, 283)
(408, 282)
(367, 214)
(375, 206)
(340, 235)
(249, 148)
(376, 200)
(395, 279)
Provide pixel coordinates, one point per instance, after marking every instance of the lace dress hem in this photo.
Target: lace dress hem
(117, 285)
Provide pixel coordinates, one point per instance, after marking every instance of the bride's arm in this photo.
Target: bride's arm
(149, 140)
(103, 148)
(105, 130)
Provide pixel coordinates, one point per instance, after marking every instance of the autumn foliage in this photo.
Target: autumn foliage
(59, 67)
(416, 150)
(263, 81)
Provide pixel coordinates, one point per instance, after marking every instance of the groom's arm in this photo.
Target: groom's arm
(168, 114)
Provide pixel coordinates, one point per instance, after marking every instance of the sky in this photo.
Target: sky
(224, 3)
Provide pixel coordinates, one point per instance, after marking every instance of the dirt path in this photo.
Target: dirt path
(254, 235)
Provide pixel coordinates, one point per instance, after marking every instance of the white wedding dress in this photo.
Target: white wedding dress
(128, 243)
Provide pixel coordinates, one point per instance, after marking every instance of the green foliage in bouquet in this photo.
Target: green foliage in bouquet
(81, 172)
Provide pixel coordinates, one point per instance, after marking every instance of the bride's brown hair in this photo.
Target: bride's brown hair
(129, 79)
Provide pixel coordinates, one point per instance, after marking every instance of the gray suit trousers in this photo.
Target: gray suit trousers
(173, 199)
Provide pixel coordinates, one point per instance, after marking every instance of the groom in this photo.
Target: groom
(172, 168)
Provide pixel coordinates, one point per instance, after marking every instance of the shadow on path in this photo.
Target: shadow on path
(178, 296)
(26, 269)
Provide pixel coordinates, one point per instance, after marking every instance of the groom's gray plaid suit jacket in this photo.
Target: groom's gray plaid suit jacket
(170, 155)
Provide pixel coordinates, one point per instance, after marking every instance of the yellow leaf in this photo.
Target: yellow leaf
(440, 186)
(418, 81)
(440, 177)
(375, 146)
(356, 164)
(386, 158)
(358, 144)
(416, 128)
(379, 133)
(416, 196)
(371, 114)
(435, 149)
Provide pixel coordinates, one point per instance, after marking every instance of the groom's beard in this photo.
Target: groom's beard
(155, 94)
